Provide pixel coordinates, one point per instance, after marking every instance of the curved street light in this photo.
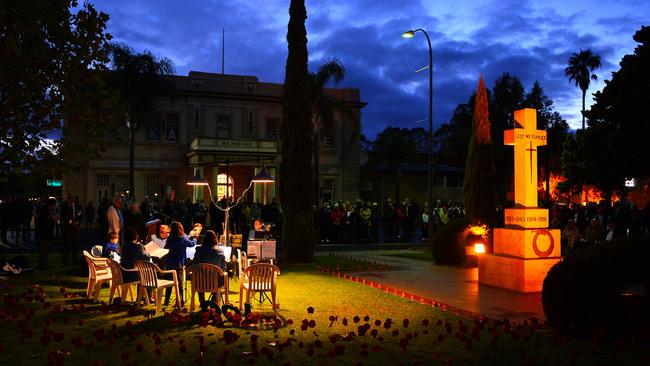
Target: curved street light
(262, 177)
(430, 180)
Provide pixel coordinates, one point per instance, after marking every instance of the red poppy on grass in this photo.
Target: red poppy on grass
(345, 322)
(310, 310)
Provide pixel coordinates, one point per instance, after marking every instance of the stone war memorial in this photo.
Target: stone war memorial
(526, 248)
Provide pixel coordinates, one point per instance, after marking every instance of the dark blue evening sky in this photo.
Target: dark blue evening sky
(530, 39)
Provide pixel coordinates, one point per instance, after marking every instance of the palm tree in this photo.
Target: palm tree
(295, 180)
(137, 77)
(324, 107)
(580, 70)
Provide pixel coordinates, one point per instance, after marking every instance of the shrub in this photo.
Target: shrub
(449, 242)
(600, 287)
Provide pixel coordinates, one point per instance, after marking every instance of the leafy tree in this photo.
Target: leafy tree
(49, 63)
(137, 78)
(580, 70)
(295, 168)
(478, 184)
(392, 147)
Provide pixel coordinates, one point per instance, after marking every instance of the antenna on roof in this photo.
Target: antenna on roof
(223, 48)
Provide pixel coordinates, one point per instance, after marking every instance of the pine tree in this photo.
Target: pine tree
(478, 185)
(295, 168)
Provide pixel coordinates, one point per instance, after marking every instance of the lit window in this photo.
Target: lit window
(225, 186)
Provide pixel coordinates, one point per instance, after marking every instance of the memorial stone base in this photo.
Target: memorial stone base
(522, 255)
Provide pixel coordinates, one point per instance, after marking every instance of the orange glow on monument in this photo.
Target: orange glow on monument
(525, 249)
(478, 230)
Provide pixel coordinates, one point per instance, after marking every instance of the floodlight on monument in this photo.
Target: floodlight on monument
(408, 34)
(479, 248)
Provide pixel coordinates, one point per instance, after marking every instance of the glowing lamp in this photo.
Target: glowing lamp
(408, 34)
(263, 177)
(479, 248)
(197, 180)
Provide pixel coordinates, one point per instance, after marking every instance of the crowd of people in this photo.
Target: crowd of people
(335, 222)
(599, 222)
(360, 221)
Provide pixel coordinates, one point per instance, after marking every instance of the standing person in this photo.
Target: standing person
(425, 222)
(44, 221)
(133, 217)
(210, 252)
(177, 243)
(89, 215)
(4, 220)
(70, 218)
(115, 219)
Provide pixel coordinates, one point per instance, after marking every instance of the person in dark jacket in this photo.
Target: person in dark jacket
(132, 251)
(210, 252)
(177, 243)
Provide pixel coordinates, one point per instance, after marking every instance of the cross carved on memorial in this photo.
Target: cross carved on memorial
(526, 138)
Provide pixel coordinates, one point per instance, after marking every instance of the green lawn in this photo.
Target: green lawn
(81, 333)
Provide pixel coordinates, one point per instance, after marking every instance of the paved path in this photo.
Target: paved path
(455, 286)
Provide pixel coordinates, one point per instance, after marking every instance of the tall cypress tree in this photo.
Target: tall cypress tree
(295, 168)
(478, 185)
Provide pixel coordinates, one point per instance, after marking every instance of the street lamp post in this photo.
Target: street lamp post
(430, 180)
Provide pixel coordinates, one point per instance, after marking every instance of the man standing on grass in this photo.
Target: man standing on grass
(115, 218)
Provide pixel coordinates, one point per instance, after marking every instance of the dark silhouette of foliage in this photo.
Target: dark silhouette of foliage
(392, 147)
(587, 287)
(448, 242)
(51, 52)
(324, 108)
(556, 131)
(615, 146)
(580, 71)
(137, 77)
(478, 184)
(296, 177)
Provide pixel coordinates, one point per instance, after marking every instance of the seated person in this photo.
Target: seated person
(110, 247)
(259, 232)
(210, 252)
(131, 252)
(177, 243)
(196, 230)
(161, 238)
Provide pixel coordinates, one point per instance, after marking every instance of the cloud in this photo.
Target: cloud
(526, 39)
